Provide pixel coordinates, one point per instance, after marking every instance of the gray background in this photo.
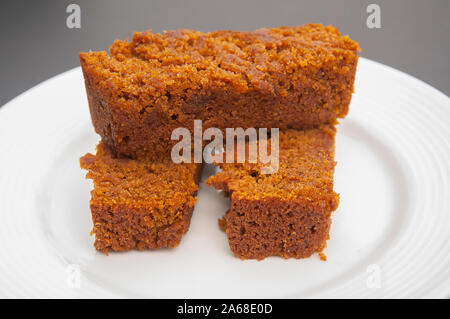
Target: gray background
(36, 44)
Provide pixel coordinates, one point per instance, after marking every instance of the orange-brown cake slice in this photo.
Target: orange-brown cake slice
(139, 204)
(286, 213)
(288, 77)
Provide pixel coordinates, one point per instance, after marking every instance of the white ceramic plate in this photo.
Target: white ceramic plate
(389, 237)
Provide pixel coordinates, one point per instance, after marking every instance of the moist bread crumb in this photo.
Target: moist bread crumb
(287, 213)
(288, 77)
(139, 204)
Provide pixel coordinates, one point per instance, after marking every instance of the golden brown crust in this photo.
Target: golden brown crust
(289, 77)
(139, 204)
(286, 213)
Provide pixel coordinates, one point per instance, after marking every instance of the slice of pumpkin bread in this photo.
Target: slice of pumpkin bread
(288, 77)
(139, 204)
(286, 213)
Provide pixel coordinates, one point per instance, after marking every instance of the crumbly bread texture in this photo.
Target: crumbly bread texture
(139, 204)
(286, 213)
(288, 77)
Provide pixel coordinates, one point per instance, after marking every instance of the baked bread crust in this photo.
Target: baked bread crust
(288, 77)
(139, 204)
(286, 213)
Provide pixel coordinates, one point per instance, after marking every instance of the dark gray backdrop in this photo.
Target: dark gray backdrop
(36, 43)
